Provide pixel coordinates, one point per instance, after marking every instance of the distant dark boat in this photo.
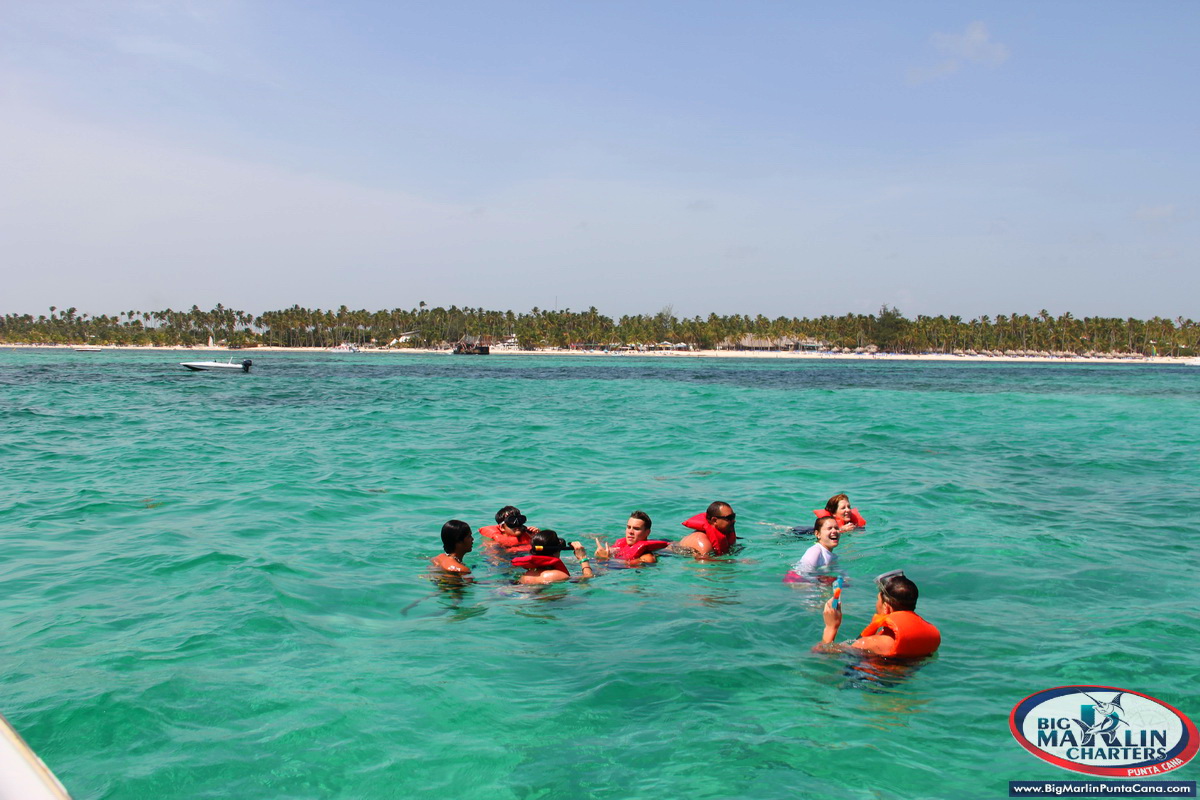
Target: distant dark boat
(471, 346)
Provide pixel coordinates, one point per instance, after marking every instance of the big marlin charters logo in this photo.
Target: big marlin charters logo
(1102, 730)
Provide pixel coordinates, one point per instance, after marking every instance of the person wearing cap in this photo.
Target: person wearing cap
(543, 564)
(510, 530)
(714, 531)
(896, 630)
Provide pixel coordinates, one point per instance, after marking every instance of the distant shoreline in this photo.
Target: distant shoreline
(794, 355)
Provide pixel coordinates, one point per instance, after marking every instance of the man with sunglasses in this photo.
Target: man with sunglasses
(895, 631)
(714, 531)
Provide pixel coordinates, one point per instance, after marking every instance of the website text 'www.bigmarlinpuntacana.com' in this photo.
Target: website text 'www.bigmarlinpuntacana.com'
(1101, 789)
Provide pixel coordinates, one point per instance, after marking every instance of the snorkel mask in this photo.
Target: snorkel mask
(884, 579)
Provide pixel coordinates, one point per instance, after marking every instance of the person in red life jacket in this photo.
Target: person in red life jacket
(895, 631)
(543, 564)
(839, 508)
(510, 529)
(636, 545)
(714, 531)
(457, 541)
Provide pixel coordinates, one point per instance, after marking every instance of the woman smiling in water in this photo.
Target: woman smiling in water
(839, 508)
(820, 554)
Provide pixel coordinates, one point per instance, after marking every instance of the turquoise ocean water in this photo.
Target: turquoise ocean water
(215, 586)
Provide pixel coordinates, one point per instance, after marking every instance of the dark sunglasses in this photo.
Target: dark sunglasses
(731, 516)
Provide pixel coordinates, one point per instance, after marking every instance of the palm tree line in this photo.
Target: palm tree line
(888, 330)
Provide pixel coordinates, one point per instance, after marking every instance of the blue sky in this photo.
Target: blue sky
(752, 157)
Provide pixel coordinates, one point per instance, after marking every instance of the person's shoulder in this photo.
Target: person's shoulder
(448, 563)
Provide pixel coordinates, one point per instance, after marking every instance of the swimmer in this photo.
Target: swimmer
(510, 529)
(820, 554)
(839, 508)
(543, 563)
(457, 541)
(896, 630)
(635, 545)
(714, 531)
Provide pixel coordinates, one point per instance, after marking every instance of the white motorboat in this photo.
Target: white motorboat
(87, 348)
(217, 366)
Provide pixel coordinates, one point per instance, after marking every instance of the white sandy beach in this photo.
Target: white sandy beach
(757, 354)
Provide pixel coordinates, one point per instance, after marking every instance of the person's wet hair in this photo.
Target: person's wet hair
(506, 512)
(454, 532)
(900, 593)
(643, 516)
(546, 543)
(821, 523)
(832, 505)
(714, 509)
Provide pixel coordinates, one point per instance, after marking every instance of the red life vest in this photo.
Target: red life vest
(721, 542)
(855, 517)
(494, 533)
(631, 552)
(540, 562)
(914, 636)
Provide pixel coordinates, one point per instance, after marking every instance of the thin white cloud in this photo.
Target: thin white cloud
(1155, 213)
(972, 46)
(168, 51)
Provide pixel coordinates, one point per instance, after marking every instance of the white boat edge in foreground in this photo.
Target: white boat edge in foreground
(24, 776)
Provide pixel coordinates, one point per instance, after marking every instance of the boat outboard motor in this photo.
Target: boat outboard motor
(246, 365)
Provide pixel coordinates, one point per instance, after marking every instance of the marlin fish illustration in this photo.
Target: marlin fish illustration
(1109, 716)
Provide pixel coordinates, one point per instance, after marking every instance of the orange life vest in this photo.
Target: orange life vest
(494, 533)
(630, 552)
(540, 562)
(721, 542)
(914, 636)
(855, 517)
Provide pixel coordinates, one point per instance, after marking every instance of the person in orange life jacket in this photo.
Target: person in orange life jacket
(457, 541)
(714, 531)
(543, 563)
(896, 630)
(839, 508)
(510, 529)
(636, 545)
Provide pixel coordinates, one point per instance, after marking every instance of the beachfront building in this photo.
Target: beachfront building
(776, 344)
